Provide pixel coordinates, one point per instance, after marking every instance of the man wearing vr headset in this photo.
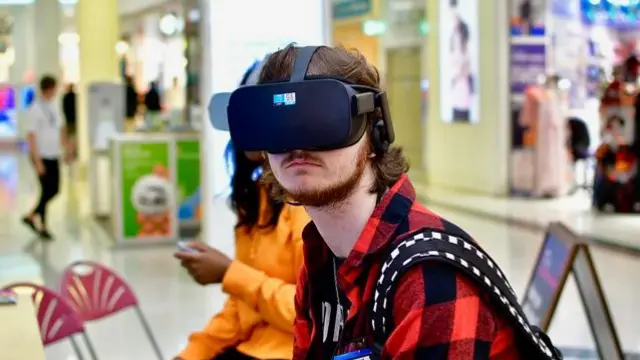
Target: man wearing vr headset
(354, 186)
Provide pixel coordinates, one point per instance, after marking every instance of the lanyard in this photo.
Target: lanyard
(46, 110)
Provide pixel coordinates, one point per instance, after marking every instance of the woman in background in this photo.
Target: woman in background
(257, 319)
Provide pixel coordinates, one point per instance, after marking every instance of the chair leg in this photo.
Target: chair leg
(147, 329)
(76, 348)
(89, 345)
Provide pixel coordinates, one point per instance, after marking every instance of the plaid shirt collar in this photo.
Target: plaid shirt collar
(391, 211)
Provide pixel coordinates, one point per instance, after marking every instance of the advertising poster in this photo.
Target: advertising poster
(147, 190)
(188, 181)
(459, 52)
(528, 17)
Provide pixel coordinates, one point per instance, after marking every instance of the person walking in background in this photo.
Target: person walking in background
(174, 101)
(152, 104)
(46, 135)
(131, 102)
(152, 98)
(70, 111)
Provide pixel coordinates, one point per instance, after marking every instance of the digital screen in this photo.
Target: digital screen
(612, 13)
(8, 123)
(547, 280)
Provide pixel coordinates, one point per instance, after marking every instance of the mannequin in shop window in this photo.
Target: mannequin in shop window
(546, 135)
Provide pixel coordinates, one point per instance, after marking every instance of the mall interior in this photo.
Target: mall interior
(534, 152)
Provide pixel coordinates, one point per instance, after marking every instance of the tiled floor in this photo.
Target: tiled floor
(575, 211)
(175, 306)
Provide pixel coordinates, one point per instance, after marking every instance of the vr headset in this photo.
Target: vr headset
(305, 113)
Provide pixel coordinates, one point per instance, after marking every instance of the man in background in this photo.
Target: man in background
(131, 103)
(46, 136)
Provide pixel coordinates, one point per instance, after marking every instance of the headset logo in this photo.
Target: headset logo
(284, 99)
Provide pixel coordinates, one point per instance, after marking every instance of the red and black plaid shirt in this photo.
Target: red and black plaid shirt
(438, 313)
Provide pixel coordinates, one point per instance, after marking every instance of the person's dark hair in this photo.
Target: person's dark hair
(453, 3)
(47, 82)
(351, 65)
(245, 192)
(463, 29)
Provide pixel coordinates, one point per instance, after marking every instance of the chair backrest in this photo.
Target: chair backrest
(56, 318)
(579, 139)
(95, 291)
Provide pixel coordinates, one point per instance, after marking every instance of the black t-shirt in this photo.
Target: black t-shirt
(334, 311)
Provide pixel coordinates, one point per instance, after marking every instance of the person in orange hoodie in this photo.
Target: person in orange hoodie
(256, 321)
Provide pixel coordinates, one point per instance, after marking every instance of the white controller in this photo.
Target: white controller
(182, 246)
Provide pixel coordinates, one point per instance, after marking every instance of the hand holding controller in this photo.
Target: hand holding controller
(205, 264)
(183, 247)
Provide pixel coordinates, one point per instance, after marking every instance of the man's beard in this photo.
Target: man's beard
(335, 194)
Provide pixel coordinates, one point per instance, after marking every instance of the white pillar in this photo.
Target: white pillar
(482, 149)
(239, 32)
(47, 30)
(98, 27)
(22, 40)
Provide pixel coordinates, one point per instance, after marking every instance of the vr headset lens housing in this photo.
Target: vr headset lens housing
(320, 114)
(303, 113)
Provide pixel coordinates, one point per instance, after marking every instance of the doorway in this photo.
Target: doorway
(405, 100)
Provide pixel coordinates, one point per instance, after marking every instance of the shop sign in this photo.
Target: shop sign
(344, 9)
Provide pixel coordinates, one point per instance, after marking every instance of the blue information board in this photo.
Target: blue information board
(549, 275)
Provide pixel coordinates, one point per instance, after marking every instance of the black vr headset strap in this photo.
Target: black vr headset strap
(301, 63)
(427, 245)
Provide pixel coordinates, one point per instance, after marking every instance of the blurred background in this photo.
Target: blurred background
(530, 136)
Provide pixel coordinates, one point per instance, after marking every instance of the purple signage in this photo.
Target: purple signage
(528, 62)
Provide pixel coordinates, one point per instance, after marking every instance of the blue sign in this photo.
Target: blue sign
(528, 61)
(344, 9)
(548, 276)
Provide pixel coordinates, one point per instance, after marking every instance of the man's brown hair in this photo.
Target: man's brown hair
(351, 65)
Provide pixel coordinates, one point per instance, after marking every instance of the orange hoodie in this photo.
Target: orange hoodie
(258, 316)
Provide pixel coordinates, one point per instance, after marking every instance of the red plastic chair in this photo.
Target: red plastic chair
(96, 292)
(56, 318)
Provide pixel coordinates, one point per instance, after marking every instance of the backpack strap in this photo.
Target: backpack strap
(429, 245)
